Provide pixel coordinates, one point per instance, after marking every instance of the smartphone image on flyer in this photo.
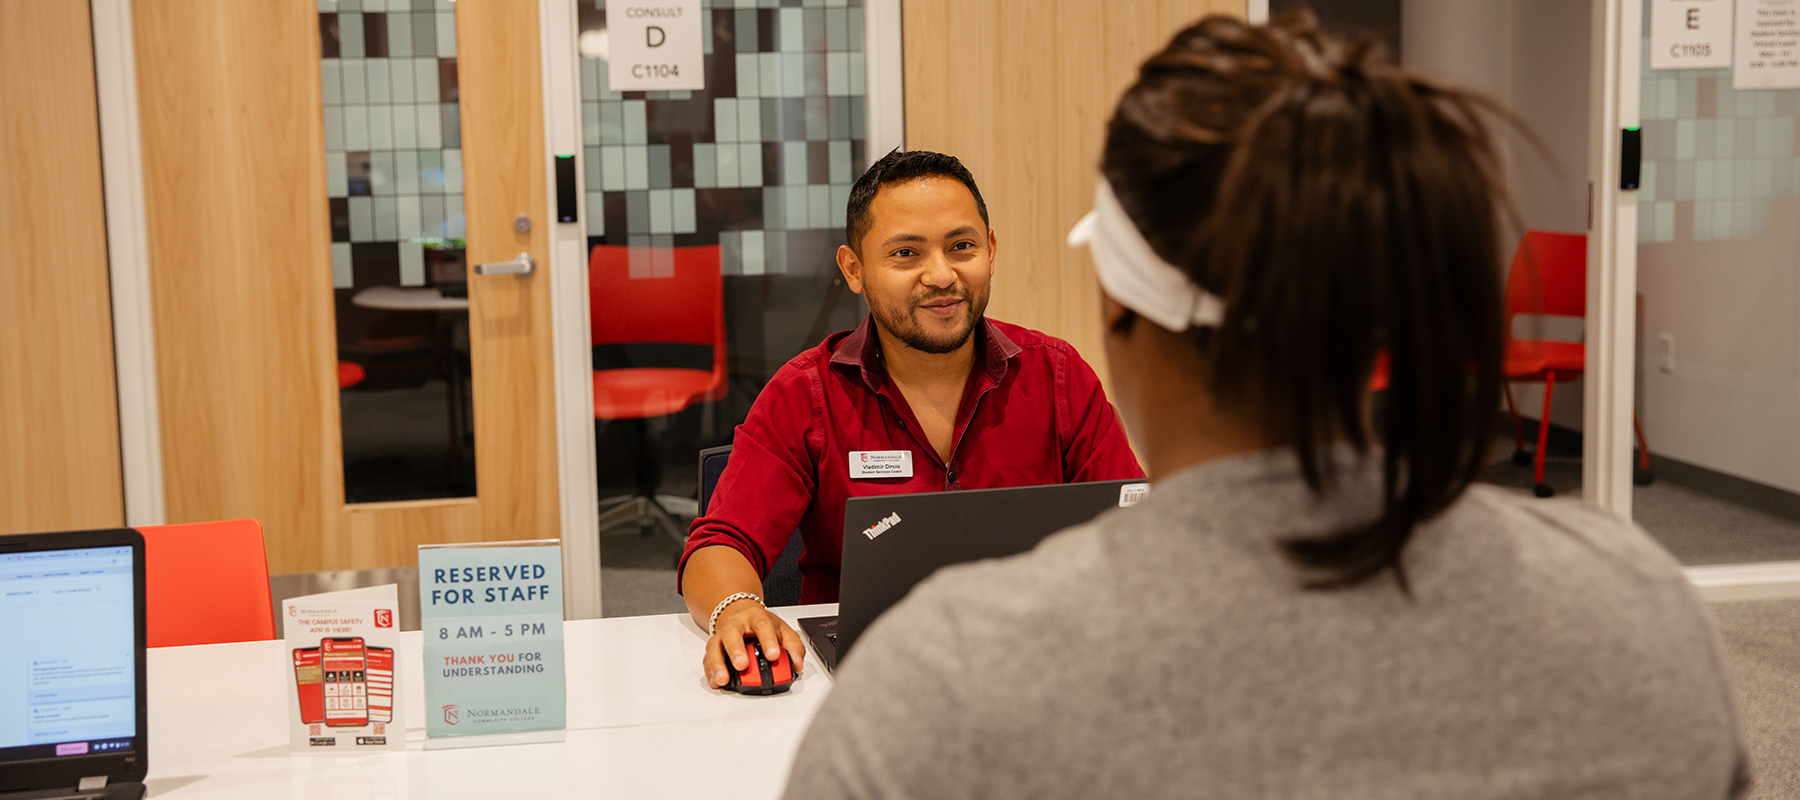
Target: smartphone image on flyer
(346, 681)
(381, 684)
(309, 682)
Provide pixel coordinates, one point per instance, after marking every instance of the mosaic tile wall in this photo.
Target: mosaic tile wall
(1714, 157)
(760, 162)
(393, 157)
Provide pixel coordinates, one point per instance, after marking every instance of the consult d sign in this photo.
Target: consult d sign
(654, 45)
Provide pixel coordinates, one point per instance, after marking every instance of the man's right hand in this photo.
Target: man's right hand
(741, 621)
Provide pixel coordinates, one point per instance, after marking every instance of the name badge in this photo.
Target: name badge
(880, 464)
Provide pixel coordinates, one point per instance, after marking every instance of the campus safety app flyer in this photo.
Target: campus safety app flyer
(342, 679)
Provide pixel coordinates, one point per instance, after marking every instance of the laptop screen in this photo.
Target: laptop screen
(68, 681)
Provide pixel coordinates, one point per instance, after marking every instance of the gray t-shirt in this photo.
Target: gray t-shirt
(1168, 650)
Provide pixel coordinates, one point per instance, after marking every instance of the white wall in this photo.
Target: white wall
(1732, 402)
(1532, 56)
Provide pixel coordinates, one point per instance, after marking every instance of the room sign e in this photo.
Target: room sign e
(654, 45)
(1690, 34)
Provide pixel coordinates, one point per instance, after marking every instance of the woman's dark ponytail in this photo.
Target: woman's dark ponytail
(1346, 211)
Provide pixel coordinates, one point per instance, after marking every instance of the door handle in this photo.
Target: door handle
(521, 266)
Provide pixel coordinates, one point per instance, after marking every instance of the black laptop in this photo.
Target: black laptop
(72, 688)
(892, 542)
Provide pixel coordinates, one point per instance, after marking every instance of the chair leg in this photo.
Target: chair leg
(1542, 489)
(1642, 476)
(1519, 456)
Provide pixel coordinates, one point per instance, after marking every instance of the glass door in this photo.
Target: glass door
(1718, 340)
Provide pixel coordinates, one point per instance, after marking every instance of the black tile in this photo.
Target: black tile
(447, 81)
(767, 40)
(340, 219)
(375, 264)
(375, 35)
(724, 33)
(681, 160)
(666, 118)
(329, 46)
(771, 157)
(725, 209)
(613, 206)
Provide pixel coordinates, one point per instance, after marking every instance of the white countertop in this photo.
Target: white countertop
(642, 724)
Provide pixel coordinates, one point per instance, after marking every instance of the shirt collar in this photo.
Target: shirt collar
(861, 351)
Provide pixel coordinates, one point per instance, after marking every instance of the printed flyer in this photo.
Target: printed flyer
(492, 618)
(343, 682)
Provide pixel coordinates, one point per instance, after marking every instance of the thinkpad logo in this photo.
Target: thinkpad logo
(882, 527)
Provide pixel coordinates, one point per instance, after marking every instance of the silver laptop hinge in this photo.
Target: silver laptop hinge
(93, 784)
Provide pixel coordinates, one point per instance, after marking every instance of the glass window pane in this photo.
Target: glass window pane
(394, 179)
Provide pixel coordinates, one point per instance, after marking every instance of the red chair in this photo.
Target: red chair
(350, 374)
(206, 583)
(658, 317)
(1549, 278)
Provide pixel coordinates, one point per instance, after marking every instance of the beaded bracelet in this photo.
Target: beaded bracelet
(713, 623)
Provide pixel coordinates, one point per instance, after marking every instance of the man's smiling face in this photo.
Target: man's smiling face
(925, 264)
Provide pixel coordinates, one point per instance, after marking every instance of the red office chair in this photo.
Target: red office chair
(206, 583)
(350, 374)
(658, 317)
(1549, 277)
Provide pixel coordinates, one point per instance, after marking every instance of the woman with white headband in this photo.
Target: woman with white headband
(1314, 601)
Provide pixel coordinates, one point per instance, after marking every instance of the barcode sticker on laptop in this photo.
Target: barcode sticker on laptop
(1131, 493)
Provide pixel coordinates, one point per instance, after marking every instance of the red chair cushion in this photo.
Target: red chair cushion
(1527, 359)
(652, 391)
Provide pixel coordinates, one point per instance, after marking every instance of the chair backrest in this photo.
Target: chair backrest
(206, 583)
(782, 585)
(1548, 276)
(657, 294)
(712, 465)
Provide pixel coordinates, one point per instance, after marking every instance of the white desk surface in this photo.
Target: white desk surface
(642, 724)
(415, 298)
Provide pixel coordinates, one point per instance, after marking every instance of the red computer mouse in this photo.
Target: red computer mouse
(762, 676)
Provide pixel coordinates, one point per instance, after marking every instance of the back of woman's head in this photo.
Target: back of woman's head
(1345, 210)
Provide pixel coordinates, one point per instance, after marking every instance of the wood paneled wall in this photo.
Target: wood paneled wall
(234, 177)
(59, 419)
(1020, 90)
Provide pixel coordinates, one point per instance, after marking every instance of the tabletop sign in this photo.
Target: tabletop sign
(1768, 45)
(492, 619)
(654, 45)
(1690, 34)
(342, 683)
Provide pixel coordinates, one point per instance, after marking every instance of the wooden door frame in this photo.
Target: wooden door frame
(139, 400)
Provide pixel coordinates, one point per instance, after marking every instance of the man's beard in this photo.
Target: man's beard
(904, 324)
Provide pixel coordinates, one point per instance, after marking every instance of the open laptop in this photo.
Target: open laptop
(892, 542)
(72, 678)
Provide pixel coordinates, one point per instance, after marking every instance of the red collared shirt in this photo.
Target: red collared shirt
(1033, 413)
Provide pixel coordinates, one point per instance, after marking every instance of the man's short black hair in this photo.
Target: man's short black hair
(895, 167)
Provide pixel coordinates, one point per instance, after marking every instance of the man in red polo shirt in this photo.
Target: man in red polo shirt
(928, 388)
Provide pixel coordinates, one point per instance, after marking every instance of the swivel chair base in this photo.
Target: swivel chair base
(646, 513)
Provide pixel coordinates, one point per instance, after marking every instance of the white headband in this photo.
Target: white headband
(1132, 273)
